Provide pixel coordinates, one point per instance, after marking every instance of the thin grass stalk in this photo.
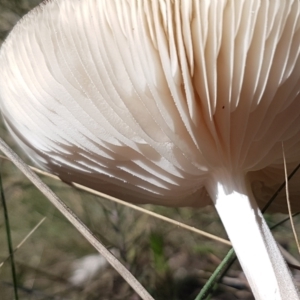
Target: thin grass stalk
(217, 275)
(9, 241)
(282, 186)
(288, 200)
(284, 220)
(24, 240)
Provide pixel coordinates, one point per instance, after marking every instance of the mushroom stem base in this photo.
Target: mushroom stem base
(256, 249)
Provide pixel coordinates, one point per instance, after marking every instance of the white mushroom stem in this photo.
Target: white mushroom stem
(256, 249)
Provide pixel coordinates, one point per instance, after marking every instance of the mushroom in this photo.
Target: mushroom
(165, 102)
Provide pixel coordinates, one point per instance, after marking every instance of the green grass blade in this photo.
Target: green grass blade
(217, 275)
(9, 241)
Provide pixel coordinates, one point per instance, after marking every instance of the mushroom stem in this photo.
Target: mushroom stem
(256, 249)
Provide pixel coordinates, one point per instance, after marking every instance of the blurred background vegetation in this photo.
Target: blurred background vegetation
(172, 263)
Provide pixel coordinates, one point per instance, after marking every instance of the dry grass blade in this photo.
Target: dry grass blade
(153, 214)
(25, 239)
(288, 200)
(135, 207)
(76, 222)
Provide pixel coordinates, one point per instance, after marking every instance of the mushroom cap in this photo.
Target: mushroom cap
(145, 100)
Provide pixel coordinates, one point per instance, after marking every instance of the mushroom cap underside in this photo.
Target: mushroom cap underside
(154, 96)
